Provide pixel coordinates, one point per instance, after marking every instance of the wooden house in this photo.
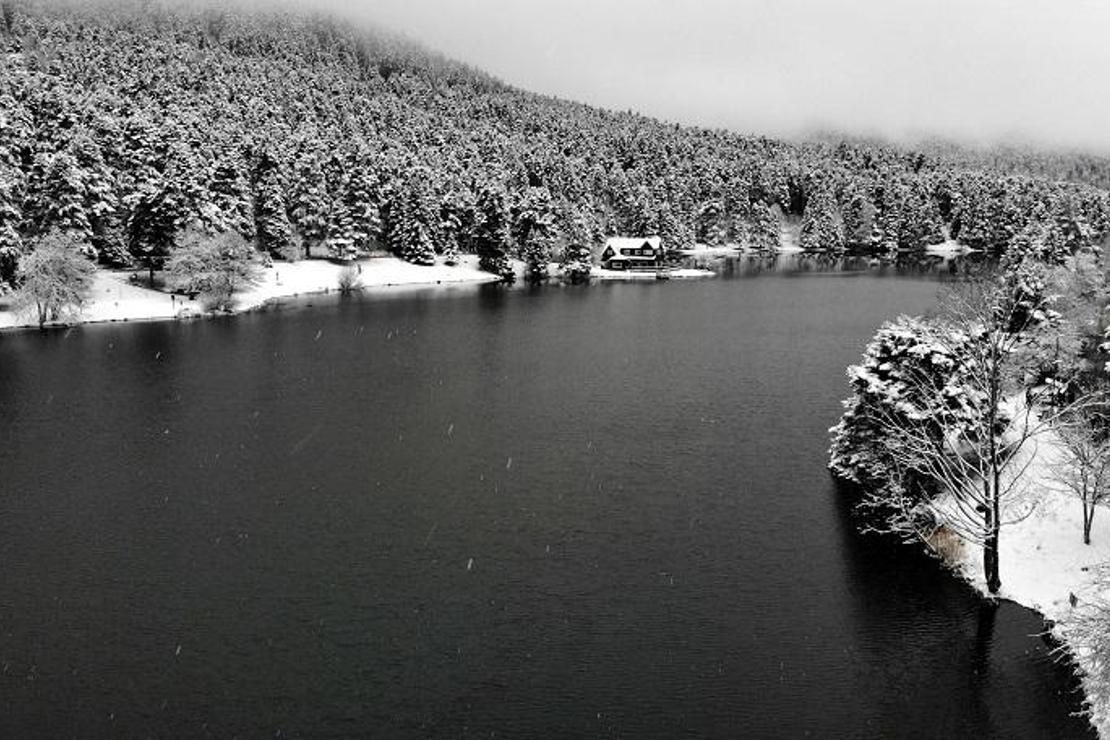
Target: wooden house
(640, 253)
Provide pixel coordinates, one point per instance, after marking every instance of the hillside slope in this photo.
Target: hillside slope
(127, 125)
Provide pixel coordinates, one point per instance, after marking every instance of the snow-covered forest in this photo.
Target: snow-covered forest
(126, 126)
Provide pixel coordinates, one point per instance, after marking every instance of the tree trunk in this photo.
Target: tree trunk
(990, 546)
(1088, 516)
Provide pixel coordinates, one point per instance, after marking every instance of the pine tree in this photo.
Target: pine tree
(451, 226)
(708, 228)
(766, 228)
(413, 234)
(272, 227)
(674, 230)
(57, 198)
(360, 198)
(11, 245)
(229, 192)
(310, 203)
(491, 233)
(532, 224)
(859, 220)
(156, 215)
(102, 202)
(821, 228)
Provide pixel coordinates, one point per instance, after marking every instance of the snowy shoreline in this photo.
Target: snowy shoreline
(115, 299)
(1044, 564)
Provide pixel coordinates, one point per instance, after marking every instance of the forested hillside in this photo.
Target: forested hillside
(128, 125)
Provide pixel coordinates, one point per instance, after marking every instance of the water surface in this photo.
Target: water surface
(569, 512)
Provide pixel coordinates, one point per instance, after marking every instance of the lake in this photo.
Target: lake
(593, 511)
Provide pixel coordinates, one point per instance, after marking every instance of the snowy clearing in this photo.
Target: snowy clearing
(114, 298)
(949, 247)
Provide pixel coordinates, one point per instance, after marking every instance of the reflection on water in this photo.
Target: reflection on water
(911, 265)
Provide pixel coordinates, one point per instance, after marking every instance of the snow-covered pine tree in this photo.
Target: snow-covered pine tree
(859, 219)
(310, 202)
(360, 198)
(577, 257)
(532, 225)
(491, 232)
(230, 193)
(102, 201)
(56, 197)
(766, 228)
(11, 245)
(451, 211)
(708, 227)
(156, 214)
(821, 227)
(274, 234)
(413, 234)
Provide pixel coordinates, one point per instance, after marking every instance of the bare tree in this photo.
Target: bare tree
(215, 266)
(55, 279)
(1083, 466)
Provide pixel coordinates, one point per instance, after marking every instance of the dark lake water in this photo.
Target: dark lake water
(570, 512)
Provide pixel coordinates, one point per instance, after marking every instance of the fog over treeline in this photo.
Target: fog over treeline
(981, 70)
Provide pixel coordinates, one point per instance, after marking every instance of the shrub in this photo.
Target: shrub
(349, 279)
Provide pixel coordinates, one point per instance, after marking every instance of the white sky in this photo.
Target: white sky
(984, 70)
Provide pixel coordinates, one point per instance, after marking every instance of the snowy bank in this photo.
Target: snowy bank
(949, 247)
(600, 273)
(704, 250)
(1044, 564)
(115, 298)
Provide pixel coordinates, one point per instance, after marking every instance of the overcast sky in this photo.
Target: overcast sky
(985, 70)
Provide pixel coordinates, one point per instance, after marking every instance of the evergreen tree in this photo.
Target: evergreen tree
(360, 198)
(766, 228)
(821, 229)
(491, 233)
(859, 220)
(532, 225)
(310, 203)
(11, 245)
(413, 235)
(272, 227)
(57, 199)
(708, 228)
(451, 214)
(229, 193)
(155, 216)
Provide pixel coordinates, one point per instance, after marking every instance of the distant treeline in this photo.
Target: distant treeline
(129, 125)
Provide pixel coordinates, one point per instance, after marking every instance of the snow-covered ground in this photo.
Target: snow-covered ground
(1042, 559)
(704, 250)
(114, 298)
(949, 247)
(600, 273)
(287, 279)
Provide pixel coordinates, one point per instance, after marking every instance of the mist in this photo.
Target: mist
(987, 71)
